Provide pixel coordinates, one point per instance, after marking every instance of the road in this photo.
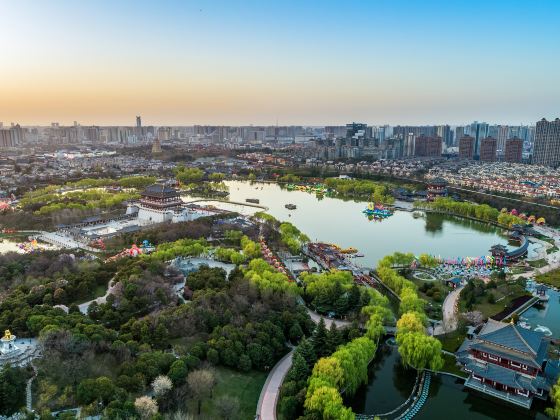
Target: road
(449, 312)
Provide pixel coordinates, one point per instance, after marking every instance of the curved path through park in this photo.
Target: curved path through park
(266, 407)
(449, 312)
(101, 299)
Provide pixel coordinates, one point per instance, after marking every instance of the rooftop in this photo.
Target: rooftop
(159, 191)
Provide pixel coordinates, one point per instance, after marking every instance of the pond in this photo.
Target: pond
(343, 223)
(546, 314)
(390, 384)
(447, 395)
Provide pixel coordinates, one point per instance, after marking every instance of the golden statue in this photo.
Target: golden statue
(7, 335)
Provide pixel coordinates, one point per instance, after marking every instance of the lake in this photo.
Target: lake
(343, 223)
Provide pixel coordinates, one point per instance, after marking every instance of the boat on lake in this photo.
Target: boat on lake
(290, 206)
(253, 200)
(377, 211)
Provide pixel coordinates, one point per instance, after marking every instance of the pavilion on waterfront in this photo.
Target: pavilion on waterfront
(509, 362)
(436, 187)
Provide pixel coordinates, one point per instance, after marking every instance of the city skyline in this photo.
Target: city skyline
(313, 64)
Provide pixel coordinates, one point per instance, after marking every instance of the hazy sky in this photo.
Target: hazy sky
(298, 62)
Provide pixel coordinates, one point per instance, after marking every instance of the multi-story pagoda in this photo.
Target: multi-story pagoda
(159, 203)
(436, 187)
(509, 362)
(160, 197)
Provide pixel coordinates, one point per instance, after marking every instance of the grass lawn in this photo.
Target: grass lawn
(450, 366)
(451, 341)
(504, 294)
(100, 290)
(537, 263)
(246, 387)
(551, 278)
(552, 250)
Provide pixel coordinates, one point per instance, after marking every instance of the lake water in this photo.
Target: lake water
(548, 315)
(390, 384)
(448, 399)
(343, 223)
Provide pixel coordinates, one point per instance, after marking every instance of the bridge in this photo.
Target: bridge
(218, 200)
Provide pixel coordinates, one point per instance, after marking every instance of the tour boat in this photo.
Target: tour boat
(377, 211)
(290, 206)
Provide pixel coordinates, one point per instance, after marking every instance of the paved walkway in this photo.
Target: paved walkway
(266, 408)
(315, 317)
(102, 299)
(449, 312)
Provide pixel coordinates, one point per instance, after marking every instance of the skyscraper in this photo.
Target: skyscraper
(427, 146)
(503, 135)
(488, 147)
(546, 148)
(459, 132)
(444, 131)
(466, 147)
(514, 150)
(478, 131)
(138, 121)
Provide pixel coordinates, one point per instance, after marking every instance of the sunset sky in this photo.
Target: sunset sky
(298, 62)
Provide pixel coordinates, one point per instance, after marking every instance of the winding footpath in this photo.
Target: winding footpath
(100, 300)
(449, 312)
(266, 407)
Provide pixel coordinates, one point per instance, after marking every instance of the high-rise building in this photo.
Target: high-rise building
(6, 138)
(459, 133)
(138, 121)
(514, 150)
(501, 137)
(425, 146)
(546, 147)
(17, 134)
(444, 131)
(409, 145)
(488, 147)
(478, 131)
(466, 147)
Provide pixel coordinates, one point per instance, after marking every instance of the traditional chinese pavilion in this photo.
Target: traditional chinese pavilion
(509, 362)
(436, 187)
(159, 203)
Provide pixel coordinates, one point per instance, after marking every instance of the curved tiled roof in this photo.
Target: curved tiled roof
(159, 191)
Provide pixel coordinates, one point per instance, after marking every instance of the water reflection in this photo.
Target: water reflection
(449, 399)
(342, 222)
(389, 384)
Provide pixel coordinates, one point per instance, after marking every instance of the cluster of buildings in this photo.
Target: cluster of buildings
(488, 149)
(26, 169)
(526, 180)
(398, 168)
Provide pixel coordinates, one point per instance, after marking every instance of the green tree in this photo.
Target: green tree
(307, 351)
(12, 389)
(320, 339)
(299, 370)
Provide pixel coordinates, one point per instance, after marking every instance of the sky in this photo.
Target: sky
(292, 62)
